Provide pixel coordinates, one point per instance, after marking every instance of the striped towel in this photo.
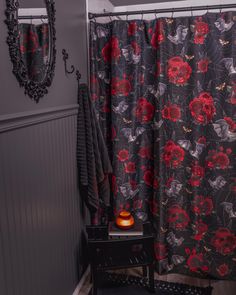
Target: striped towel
(93, 161)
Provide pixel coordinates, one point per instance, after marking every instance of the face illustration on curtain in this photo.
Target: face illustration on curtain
(165, 94)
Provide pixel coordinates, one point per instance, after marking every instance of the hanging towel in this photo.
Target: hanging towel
(93, 161)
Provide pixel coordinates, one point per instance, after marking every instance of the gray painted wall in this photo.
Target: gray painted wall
(41, 219)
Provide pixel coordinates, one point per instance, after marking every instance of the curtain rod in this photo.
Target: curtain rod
(164, 10)
(32, 17)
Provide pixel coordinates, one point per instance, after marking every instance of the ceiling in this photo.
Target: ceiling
(136, 2)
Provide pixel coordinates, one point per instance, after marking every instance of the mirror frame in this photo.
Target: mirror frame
(35, 90)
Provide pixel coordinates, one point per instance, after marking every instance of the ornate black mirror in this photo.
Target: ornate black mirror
(31, 40)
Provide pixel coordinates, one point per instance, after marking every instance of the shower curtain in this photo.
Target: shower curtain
(165, 95)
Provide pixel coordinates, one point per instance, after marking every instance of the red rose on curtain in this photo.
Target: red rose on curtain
(130, 167)
(120, 87)
(144, 110)
(148, 177)
(155, 184)
(145, 152)
(202, 65)
(171, 112)
(202, 108)
(197, 173)
(111, 50)
(132, 28)
(224, 241)
(223, 269)
(201, 29)
(158, 36)
(123, 155)
(178, 71)
(218, 160)
(136, 48)
(173, 154)
(133, 184)
(202, 205)
(195, 262)
(178, 217)
(200, 229)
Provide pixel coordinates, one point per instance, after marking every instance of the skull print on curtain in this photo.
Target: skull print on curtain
(165, 94)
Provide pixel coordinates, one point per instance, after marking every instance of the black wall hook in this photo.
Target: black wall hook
(65, 58)
(78, 76)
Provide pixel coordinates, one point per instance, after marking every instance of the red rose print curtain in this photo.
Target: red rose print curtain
(165, 95)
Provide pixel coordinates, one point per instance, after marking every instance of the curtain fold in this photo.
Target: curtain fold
(165, 95)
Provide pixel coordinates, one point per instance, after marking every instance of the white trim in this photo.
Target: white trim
(82, 281)
(24, 119)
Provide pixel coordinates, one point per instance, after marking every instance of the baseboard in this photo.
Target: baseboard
(82, 282)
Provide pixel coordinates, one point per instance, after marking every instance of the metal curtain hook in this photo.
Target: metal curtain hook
(156, 14)
(172, 14)
(127, 16)
(110, 18)
(221, 9)
(42, 19)
(142, 15)
(191, 11)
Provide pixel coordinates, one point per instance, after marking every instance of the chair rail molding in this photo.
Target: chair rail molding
(20, 120)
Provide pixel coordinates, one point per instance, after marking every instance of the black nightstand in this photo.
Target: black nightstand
(106, 253)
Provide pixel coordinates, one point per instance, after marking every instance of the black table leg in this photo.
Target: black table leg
(151, 278)
(145, 271)
(94, 276)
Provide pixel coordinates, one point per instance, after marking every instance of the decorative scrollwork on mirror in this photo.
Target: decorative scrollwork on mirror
(31, 40)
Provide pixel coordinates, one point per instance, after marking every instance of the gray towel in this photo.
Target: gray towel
(92, 156)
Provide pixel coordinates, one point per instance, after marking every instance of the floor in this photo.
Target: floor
(220, 288)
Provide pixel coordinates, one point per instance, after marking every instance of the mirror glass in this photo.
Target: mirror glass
(34, 41)
(31, 40)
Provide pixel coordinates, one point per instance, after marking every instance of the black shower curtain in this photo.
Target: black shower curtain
(165, 95)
